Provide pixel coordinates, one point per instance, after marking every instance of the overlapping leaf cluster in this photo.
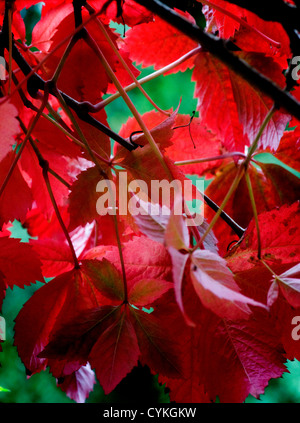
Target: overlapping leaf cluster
(211, 322)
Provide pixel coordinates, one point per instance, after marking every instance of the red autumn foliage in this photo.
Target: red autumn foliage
(222, 293)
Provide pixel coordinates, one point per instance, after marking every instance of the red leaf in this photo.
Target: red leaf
(146, 291)
(231, 354)
(107, 337)
(241, 108)
(289, 283)
(157, 44)
(19, 263)
(206, 145)
(9, 128)
(143, 259)
(160, 346)
(33, 173)
(223, 357)
(289, 149)
(161, 129)
(272, 186)
(215, 286)
(279, 231)
(226, 25)
(82, 212)
(79, 384)
(16, 199)
(55, 256)
(115, 353)
(153, 220)
(62, 298)
(80, 84)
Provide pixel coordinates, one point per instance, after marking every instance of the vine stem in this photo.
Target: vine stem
(63, 127)
(45, 167)
(271, 271)
(129, 104)
(241, 171)
(64, 57)
(254, 208)
(254, 145)
(57, 47)
(147, 78)
(231, 190)
(24, 142)
(91, 42)
(230, 222)
(73, 138)
(104, 176)
(127, 68)
(9, 48)
(37, 151)
(209, 159)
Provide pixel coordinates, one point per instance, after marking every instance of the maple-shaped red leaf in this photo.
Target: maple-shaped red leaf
(226, 359)
(111, 337)
(279, 231)
(62, 298)
(9, 128)
(241, 108)
(79, 384)
(158, 43)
